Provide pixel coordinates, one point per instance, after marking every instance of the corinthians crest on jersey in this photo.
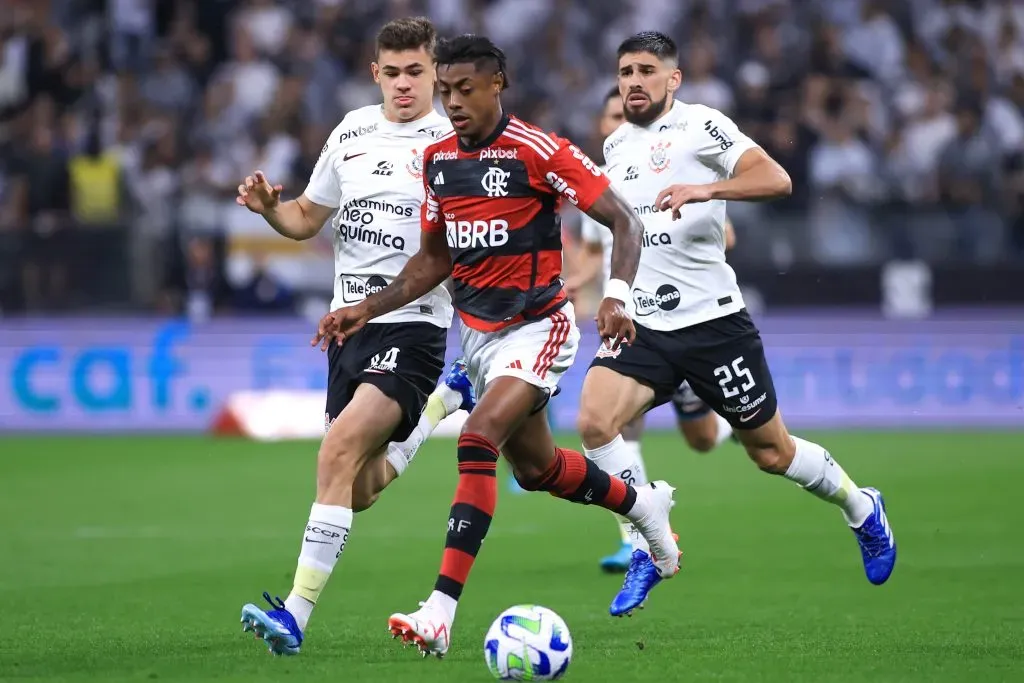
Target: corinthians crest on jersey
(659, 156)
(415, 167)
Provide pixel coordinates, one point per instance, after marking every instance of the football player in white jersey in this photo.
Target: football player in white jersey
(684, 162)
(379, 402)
(703, 428)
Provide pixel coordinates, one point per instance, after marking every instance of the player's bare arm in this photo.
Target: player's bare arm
(757, 177)
(612, 211)
(298, 219)
(426, 269)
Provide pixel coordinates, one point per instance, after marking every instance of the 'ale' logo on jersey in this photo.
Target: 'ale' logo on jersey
(659, 156)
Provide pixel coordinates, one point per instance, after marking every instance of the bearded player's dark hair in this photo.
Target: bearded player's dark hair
(479, 51)
(652, 42)
(612, 94)
(410, 33)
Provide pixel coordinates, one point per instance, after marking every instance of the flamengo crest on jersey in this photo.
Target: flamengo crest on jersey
(371, 170)
(683, 278)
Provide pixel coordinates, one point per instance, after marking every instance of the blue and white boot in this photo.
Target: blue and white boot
(276, 627)
(457, 379)
(876, 541)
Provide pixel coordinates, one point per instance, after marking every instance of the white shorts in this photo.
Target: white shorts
(537, 352)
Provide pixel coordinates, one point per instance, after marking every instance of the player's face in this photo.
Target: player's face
(646, 84)
(406, 79)
(470, 98)
(612, 116)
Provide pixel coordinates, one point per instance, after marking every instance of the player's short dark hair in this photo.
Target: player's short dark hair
(652, 42)
(410, 33)
(612, 94)
(477, 50)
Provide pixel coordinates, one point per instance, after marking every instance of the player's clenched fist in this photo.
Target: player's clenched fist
(675, 197)
(257, 194)
(340, 325)
(614, 324)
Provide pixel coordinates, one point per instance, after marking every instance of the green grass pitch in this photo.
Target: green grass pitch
(129, 559)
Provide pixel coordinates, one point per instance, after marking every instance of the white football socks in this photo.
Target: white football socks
(322, 544)
(622, 459)
(440, 404)
(814, 469)
(724, 430)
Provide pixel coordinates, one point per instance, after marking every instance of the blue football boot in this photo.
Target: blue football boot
(876, 541)
(641, 577)
(618, 562)
(457, 379)
(277, 627)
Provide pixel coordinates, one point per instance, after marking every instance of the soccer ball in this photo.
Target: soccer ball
(528, 643)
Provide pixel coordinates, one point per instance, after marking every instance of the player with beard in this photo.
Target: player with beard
(701, 427)
(691, 323)
(491, 222)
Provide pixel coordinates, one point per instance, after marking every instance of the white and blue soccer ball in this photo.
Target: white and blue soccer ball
(528, 643)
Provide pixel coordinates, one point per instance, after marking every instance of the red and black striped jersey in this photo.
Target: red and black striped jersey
(498, 205)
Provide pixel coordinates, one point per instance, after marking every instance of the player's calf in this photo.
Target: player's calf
(815, 470)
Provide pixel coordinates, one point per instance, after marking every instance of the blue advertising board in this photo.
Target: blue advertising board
(113, 375)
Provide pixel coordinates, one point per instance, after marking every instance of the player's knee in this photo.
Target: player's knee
(530, 478)
(364, 500)
(770, 458)
(336, 462)
(701, 442)
(595, 429)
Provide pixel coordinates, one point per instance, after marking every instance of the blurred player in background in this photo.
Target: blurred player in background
(370, 173)
(491, 222)
(703, 429)
(678, 164)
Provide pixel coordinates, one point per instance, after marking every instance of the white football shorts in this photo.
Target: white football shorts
(538, 352)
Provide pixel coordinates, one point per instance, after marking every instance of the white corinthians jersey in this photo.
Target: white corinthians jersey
(371, 170)
(683, 278)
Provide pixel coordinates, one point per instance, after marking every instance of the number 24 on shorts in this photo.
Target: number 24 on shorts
(733, 376)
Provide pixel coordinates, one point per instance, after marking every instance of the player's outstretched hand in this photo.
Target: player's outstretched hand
(339, 325)
(674, 197)
(614, 324)
(257, 194)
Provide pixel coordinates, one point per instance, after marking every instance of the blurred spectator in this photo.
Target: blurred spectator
(43, 197)
(700, 85)
(264, 293)
(969, 184)
(196, 286)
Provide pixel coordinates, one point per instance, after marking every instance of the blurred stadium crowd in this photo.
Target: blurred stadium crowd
(126, 125)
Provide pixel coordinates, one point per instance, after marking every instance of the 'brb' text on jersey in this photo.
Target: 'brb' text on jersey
(683, 278)
(498, 205)
(371, 170)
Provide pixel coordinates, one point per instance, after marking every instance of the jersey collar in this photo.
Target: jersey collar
(490, 139)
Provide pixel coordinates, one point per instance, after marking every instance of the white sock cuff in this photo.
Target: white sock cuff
(396, 456)
(334, 515)
(606, 451)
(724, 429)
